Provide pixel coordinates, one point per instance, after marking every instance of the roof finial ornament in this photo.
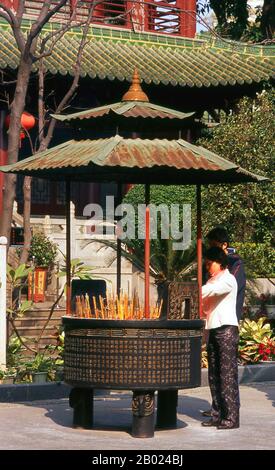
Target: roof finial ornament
(135, 92)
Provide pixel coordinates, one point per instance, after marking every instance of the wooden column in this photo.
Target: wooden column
(118, 255)
(3, 156)
(199, 246)
(147, 253)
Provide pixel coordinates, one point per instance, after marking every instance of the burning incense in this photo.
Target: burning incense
(114, 307)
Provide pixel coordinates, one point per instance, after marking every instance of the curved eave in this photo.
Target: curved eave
(159, 59)
(133, 160)
(156, 175)
(121, 110)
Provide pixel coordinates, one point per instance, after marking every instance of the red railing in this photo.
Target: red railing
(169, 16)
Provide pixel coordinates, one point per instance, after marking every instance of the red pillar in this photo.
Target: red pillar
(127, 187)
(11, 4)
(192, 9)
(118, 252)
(129, 7)
(68, 248)
(147, 253)
(3, 156)
(3, 161)
(187, 17)
(99, 12)
(147, 264)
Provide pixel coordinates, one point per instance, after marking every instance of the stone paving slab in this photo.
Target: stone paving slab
(46, 425)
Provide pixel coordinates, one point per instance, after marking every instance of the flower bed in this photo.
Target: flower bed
(257, 343)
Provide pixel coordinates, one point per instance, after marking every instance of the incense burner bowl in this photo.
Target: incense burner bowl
(139, 355)
(132, 354)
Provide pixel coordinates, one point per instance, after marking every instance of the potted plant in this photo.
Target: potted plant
(43, 254)
(269, 305)
(39, 367)
(8, 376)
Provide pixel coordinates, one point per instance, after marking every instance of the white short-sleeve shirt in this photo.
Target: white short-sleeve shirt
(219, 296)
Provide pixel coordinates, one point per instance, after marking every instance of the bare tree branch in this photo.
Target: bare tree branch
(41, 102)
(58, 34)
(15, 24)
(5, 82)
(19, 336)
(5, 15)
(49, 318)
(30, 140)
(27, 185)
(45, 15)
(24, 255)
(11, 82)
(74, 84)
(28, 49)
(20, 11)
(113, 19)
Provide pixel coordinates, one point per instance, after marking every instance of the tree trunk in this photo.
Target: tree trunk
(17, 108)
(268, 19)
(26, 215)
(8, 200)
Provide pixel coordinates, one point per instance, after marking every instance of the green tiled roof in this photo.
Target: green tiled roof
(113, 54)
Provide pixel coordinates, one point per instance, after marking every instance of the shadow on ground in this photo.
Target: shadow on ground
(267, 388)
(114, 412)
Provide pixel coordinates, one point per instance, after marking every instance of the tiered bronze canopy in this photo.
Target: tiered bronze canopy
(134, 104)
(133, 116)
(157, 161)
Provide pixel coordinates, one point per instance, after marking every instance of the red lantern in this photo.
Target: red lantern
(27, 123)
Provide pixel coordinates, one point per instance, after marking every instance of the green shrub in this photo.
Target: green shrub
(43, 249)
(259, 258)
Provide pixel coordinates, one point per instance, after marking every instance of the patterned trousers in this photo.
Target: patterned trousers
(222, 351)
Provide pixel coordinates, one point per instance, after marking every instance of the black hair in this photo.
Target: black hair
(218, 234)
(217, 254)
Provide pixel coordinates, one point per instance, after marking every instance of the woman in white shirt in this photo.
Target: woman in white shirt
(219, 306)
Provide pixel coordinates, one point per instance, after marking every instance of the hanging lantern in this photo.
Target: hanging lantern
(27, 123)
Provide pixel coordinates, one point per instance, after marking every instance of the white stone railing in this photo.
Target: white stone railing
(84, 246)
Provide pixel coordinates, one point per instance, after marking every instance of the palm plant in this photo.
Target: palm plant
(166, 264)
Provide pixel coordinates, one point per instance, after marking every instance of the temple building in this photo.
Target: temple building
(196, 76)
(177, 70)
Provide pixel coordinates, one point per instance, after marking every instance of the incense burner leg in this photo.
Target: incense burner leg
(143, 407)
(167, 408)
(82, 402)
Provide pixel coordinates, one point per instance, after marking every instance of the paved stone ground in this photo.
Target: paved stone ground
(40, 425)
